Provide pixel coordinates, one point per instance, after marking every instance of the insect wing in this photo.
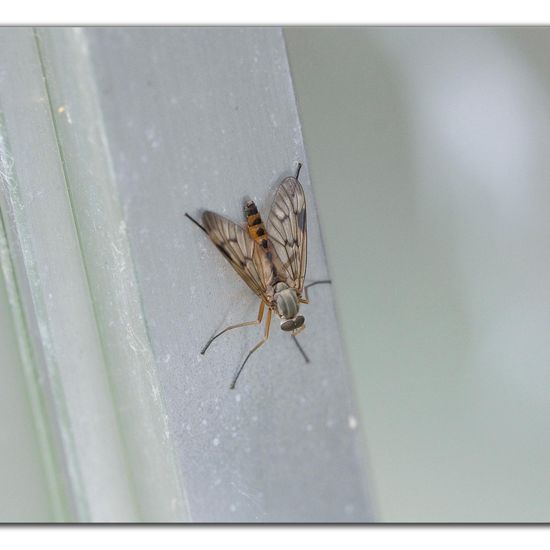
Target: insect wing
(287, 229)
(239, 249)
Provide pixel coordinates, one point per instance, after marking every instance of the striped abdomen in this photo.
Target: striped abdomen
(274, 271)
(256, 226)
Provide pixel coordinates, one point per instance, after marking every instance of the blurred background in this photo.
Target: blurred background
(427, 150)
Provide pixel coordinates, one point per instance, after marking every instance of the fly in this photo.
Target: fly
(271, 259)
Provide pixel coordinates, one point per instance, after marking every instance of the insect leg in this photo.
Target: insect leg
(260, 343)
(306, 299)
(306, 358)
(247, 324)
(195, 222)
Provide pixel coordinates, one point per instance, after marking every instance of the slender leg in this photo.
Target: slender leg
(260, 343)
(195, 222)
(247, 324)
(306, 299)
(306, 358)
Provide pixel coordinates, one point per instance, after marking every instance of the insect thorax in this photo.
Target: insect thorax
(286, 300)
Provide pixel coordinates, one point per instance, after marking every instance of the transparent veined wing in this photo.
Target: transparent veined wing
(286, 227)
(238, 248)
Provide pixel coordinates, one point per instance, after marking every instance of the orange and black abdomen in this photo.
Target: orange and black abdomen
(273, 270)
(256, 226)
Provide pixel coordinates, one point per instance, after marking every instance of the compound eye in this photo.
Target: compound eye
(287, 325)
(299, 321)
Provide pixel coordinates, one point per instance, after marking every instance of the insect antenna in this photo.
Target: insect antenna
(196, 222)
(298, 170)
(306, 358)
